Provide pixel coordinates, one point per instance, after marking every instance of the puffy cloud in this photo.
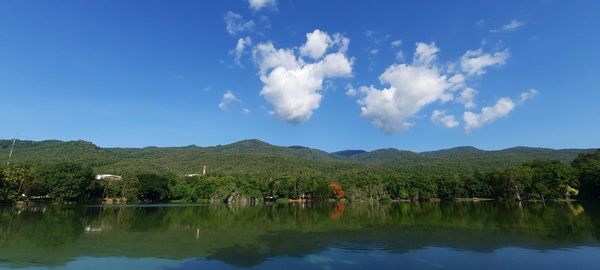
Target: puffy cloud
(341, 42)
(240, 47)
(411, 87)
(351, 91)
(467, 97)
(294, 86)
(257, 5)
(488, 114)
(509, 27)
(268, 57)
(440, 117)
(235, 23)
(425, 54)
(316, 44)
(228, 97)
(475, 62)
(529, 94)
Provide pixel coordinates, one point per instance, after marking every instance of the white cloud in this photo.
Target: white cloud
(440, 117)
(235, 23)
(412, 87)
(316, 44)
(509, 27)
(475, 62)
(527, 95)
(467, 97)
(351, 91)
(458, 81)
(425, 54)
(396, 43)
(228, 97)
(374, 52)
(257, 5)
(423, 82)
(240, 47)
(341, 42)
(294, 86)
(488, 114)
(399, 56)
(246, 111)
(267, 57)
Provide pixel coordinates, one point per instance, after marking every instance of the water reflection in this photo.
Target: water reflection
(338, 211)
(252, 236)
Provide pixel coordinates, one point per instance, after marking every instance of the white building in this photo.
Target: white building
(109, 177)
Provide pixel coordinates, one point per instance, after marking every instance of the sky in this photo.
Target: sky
(333, 75)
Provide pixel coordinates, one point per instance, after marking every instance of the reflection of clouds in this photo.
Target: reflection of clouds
(91, 263)
(326, 262)
(318, 259)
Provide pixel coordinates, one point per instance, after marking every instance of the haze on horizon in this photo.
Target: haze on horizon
(413, 76)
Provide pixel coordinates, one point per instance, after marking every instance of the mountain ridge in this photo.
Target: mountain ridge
(254, 156)
(4, 143)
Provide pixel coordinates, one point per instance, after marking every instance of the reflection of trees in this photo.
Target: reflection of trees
(246, 236)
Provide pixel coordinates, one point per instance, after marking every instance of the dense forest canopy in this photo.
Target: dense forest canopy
(252, 170)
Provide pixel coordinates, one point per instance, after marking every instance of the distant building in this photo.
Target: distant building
(109, 177)
(197, 174)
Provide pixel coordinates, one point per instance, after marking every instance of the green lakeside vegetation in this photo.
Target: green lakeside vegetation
(249, 171)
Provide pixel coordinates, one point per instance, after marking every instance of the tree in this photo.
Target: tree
(587, 169)
(14, 179)
(67, 181)
(337, 191)
(510, 183)
(448, 189)
(153, 187)
(551, 180)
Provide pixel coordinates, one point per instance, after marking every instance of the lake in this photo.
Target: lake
(454, 235)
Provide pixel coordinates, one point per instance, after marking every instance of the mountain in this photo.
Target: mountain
(387, 155)
(251, 157)
(348, 153)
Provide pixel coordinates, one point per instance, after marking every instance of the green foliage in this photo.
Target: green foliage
(13, 180)
(448, 189)
(153, 187)
(587, 168)
(538, 180)
(260, 159)
(248, 171)
(67, 181)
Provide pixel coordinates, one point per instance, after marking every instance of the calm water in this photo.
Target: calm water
(484, 235)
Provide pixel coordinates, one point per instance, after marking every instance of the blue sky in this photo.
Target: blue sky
(422, 75)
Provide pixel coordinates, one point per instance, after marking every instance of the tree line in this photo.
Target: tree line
(537, 180)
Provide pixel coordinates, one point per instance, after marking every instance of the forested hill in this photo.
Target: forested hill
(254, 157)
